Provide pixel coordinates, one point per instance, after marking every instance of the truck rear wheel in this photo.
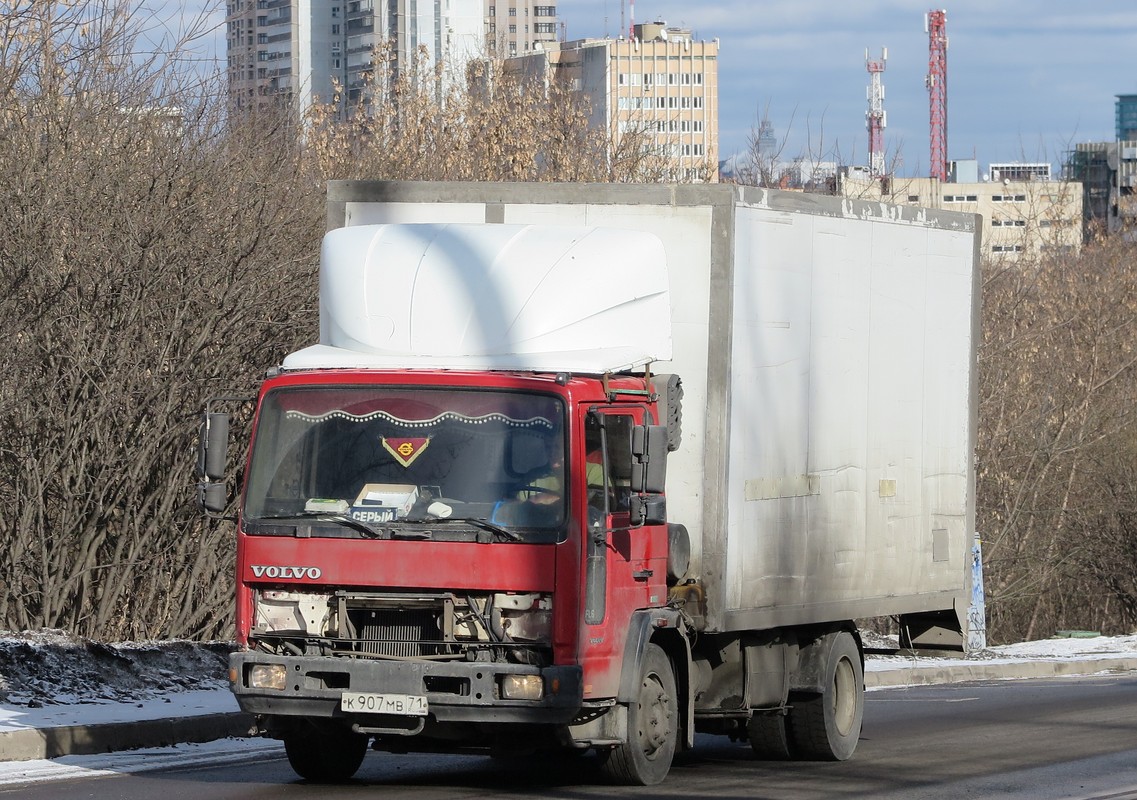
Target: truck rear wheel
(645, 759)
(325, 754)
(826, 726)
(769, 737)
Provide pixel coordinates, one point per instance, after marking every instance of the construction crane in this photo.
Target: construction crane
(935, 25)
(875, 116)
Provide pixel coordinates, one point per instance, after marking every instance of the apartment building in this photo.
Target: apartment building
(661, 85)
(519, 27)
(308, 51)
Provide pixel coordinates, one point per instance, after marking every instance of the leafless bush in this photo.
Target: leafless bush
(1058, 384)
(153, 254)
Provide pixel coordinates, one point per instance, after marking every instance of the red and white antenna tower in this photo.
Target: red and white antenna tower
(935, 25)
(632, 12)
(875, 116)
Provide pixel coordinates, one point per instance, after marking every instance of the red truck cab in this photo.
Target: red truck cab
(431, 557)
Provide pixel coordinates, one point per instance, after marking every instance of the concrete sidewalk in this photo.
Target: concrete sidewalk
(206, 715)
(61, 729)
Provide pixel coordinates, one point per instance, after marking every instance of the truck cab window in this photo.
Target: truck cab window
(608, 462)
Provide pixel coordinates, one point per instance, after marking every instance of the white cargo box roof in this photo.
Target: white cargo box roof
(516, 297)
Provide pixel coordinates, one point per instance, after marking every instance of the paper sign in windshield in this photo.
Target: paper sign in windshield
(384, 502)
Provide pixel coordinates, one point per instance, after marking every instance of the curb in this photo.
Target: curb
(82, 740)
(964, 672)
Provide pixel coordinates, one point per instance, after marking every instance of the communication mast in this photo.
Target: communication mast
(875, 116)
(935, 25)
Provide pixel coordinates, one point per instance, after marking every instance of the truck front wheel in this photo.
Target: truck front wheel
(826, 726)
(325, 754)
(645, 759)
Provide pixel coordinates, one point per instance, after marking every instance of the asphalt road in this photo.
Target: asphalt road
(1070, 738)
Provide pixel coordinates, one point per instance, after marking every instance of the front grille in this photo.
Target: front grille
(398, 633)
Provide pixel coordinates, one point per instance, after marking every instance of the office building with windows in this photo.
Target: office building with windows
(519, 27)
(1024, 211)
(661, 85)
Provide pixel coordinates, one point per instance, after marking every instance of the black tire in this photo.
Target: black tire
(769, 737)
(826, 726)
(653, 726)
(324, 755)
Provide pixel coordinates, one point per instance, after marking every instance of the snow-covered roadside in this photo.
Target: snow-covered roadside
(1096, 648)
(1068, 647)
(222, 751)
(195, 702)
(52, 668)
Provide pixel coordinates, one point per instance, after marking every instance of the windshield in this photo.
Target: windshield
(391, 456)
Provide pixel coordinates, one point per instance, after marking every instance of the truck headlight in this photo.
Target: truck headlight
(268, 676)
(522, 687)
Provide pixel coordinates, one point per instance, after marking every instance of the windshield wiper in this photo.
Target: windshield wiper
(477, 522)
(324, 516)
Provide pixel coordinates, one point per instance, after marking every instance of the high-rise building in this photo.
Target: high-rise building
(661, 85)
(1126, 117)
(304, 51)
(1108, 171)
(518, 27)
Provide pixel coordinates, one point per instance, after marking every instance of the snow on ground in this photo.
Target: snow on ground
(49, 678)
(1058, 648)
(50, 667)
(223, 751)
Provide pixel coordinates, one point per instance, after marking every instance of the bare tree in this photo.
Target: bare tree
(152, 256)
(415, 121)
(1058, 383)
(765, 161)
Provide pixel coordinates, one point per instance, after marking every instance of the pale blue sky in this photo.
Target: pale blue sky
(1026, 78)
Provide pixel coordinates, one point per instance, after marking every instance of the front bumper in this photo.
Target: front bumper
(456, 691)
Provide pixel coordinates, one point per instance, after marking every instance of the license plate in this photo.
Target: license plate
(371, 703)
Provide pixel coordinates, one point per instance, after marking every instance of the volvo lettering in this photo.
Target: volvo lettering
(274, 571)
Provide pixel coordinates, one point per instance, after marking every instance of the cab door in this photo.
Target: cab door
(625, 565)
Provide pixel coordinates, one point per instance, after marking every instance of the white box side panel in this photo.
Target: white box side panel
(769, 400)
(848, 469)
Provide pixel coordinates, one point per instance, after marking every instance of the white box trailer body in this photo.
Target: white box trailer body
(826, 348)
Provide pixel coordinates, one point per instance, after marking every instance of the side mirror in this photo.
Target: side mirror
(213, 446)
(649, 458)
(212, 458)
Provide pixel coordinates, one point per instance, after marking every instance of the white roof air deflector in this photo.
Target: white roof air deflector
(527, 297)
